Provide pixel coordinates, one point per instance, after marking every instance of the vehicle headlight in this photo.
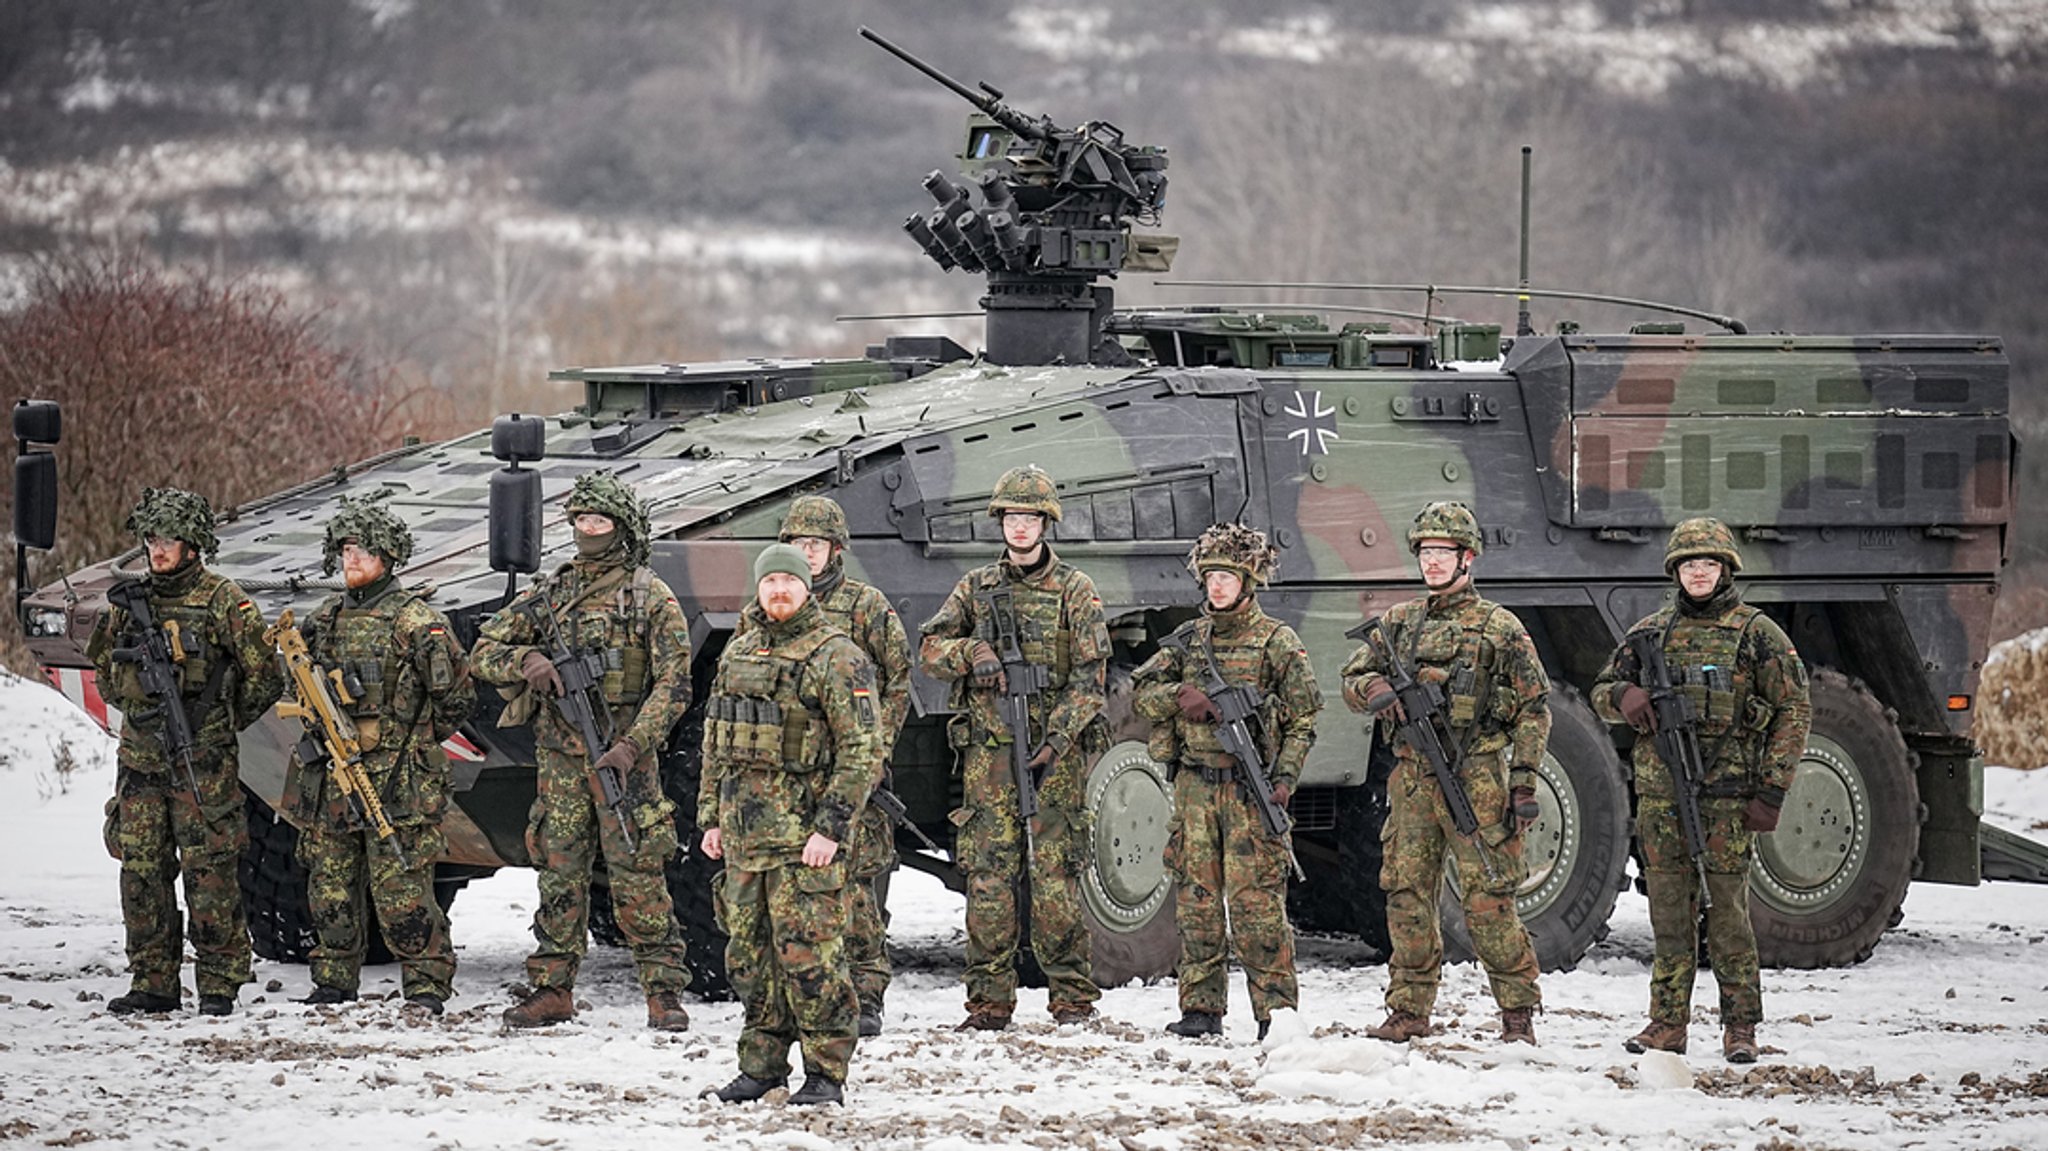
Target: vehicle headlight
(46, 621)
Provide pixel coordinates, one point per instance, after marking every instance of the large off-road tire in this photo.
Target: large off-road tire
(274, 892)
(1831, 879)
(1577, 851)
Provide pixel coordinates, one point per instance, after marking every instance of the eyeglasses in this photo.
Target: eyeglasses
(1429, 551)
(1700, 564)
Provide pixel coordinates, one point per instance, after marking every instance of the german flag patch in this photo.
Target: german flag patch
(864, 706)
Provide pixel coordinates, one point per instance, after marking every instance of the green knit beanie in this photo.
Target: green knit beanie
(786, 558)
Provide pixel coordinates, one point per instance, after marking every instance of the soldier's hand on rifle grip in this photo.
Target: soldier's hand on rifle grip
(1522, 801)
(540, 674)
(620, 757)
(1379, 698)
(988, 670)
(1762, 813)
(1195, 704)
(1282, 792)
(1041, 762)
(1634, 704)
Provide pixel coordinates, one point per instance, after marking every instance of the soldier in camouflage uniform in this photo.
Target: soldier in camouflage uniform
(1223, 860)
(1499, 714)
(226, 679)
(1060, 625)
(408, 689)
(1747, 688)
(792, 747)
(817, 527)
(609, 604)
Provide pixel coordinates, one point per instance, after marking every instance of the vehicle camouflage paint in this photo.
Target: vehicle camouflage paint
(1870, 477)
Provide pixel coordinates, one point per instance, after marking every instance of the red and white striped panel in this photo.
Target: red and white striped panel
(81, 686)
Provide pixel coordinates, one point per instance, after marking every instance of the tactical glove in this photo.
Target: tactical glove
(1379, 697)
(621, 757)
(1195, 704)
(1762, 813)
(1523, 802)
(988, 670)
(540, 674)
(1634, 704)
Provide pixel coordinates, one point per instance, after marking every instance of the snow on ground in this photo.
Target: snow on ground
(1938, 1041)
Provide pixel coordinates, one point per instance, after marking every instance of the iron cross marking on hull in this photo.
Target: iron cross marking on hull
(1319, 424)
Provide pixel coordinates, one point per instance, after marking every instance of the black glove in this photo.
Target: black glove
(540, 674)
(1522, 801)
(988, 670)
(1763, 812)
(1635, 707)
(1195, 704)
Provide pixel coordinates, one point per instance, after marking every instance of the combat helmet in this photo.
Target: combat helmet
(1701, 536)
(373, 526)
(1026, 489)
(177, 514)
(1233, 548)
(818, 517)
(607, 495)
(1446, 520)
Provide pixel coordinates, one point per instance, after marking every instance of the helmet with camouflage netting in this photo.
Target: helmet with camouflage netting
(607, 495)
(372, 526)
(174, 513)
(1446, 520)
(817, 517)
(1701, 536)
(1025, 489)
(1234, 548)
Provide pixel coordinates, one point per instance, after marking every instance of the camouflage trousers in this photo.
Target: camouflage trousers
(162, 834)
(1675, 911)
(989, 841)
(867, 951)
(569, 826)
(1417, 835)
(786, 959)
(1231, 892)
(350, 871)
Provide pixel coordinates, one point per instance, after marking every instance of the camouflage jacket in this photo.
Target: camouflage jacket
(1747, 686)
(792, 738)
(625, 615)
(1498, 697)
(1060, 627)
(864, 614)
(227, 674)
(410, 688)
(1253, 649)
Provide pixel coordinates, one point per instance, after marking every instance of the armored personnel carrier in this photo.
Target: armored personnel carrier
(1871, 478)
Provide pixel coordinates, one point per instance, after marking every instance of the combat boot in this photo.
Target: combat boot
(665, 1012)
(1193, 1024)
(986, 1017)
(423, 1005)
(817, 1089)
(870, 1022)
(142, 1003)
(1072, 1012)
(1400, 1027)
(1738, 1042)
(325, 996)
(542, 1006)
(1518, 1025)
(744, 1088)
(1265, 1025)
(1658, 1036)
(216, 1005)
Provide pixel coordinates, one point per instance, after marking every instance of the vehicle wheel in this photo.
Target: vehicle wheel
(1831, 879)
(1577, 851)
(274, 886)
(691, 876)
(274, 892)
(1126, 893)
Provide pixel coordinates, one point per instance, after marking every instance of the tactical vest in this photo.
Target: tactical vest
(1464, 661)
(203, 663)
(614, 626)
(1242, 660)
(757, 718)
(1051, 648)
(1705, 658)
(361, 645)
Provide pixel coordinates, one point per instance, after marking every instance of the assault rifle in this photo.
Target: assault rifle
(331, 742)
(891, 805)
(1678, 745)
(582, 704)
(1237, 709)
(1022, 680)
(155, 668)
(1421, 723)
